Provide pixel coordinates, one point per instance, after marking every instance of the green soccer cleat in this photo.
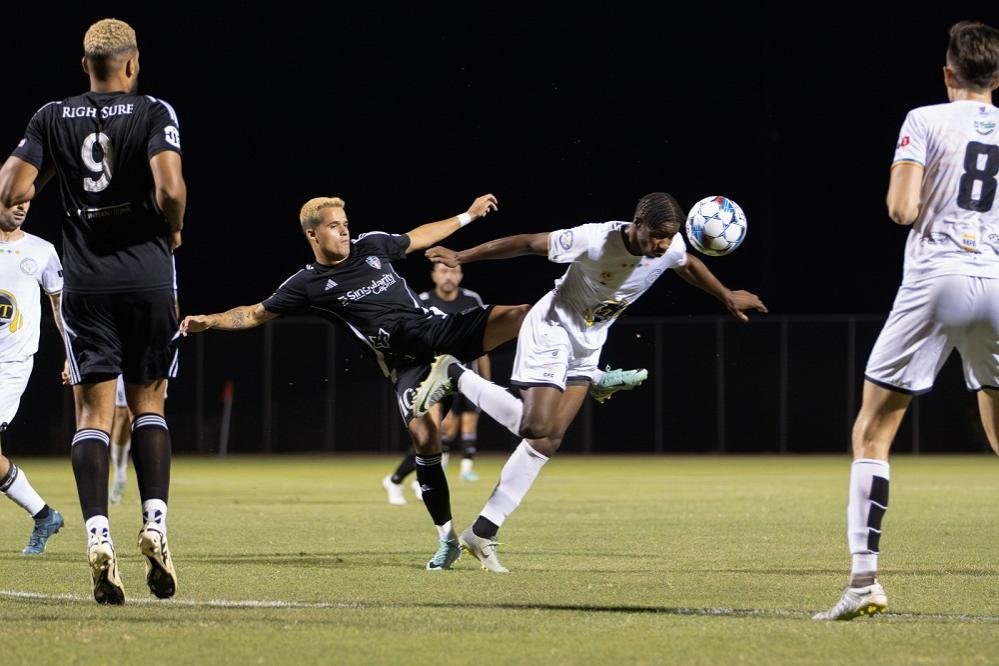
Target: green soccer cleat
(857, 601)
(117, 492)
(446, 555)
(617, 380)
(44, 528)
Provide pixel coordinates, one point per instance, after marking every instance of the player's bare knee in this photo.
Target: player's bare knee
(533, 427)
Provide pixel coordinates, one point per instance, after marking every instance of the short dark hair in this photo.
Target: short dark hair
(660, 213)
(973, 55)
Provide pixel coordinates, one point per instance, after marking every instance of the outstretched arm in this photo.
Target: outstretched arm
(426, 235)
(501, 248)
(737, 302)
(245, 316)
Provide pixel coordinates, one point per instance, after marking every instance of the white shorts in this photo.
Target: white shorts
(547, 355)
(929, 319)
(13, 380)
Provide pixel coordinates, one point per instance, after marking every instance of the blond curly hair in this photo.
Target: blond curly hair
(109, 37)
(311, 213)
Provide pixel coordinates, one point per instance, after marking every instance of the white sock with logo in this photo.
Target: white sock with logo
(155, 511)
(867, 506)
(97, 527)
(493, 400)
(517, 477)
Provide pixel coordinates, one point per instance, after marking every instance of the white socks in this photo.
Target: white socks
(517, 477)
(494, 400)
(867, 506)
(21, 492)
(155, 511)
(97, 527)
(119, 461)
(446, 531)
(466, 465)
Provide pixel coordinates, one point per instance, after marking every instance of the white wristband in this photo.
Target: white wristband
(464, 219)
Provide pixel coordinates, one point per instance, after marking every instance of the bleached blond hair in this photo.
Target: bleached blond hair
(311, 214)
(109, 37)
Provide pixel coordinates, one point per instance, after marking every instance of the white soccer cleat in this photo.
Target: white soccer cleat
(484, 550)
(435, 387)
(161, 577)
(104, 569)
(394, 491)
(417, 490)
(857, 601)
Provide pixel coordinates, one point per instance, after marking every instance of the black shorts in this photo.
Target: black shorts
(130, 333)
(460, 335)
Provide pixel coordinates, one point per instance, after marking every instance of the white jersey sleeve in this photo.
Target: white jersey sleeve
(911, 146)
(50, 277)
(567, 245)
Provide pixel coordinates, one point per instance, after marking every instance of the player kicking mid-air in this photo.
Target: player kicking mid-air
(943, 183)
(558, 348)
(26, 263)
(462, 420)
(353, 284)
(116, 157)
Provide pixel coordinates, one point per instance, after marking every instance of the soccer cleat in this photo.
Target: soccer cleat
(117, 492)
(44, 528)
(484, 550)
(160, 574)
(617, 380)
(417, 490)
(446, 555)
(394, 491)
(104, 569)
(857, 601)
(435, 387)
(469, 476)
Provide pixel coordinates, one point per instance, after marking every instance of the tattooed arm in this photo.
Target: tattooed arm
(245, 316)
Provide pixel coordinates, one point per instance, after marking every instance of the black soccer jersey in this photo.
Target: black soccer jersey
(466, 300)
(363, 293)
(115, 238)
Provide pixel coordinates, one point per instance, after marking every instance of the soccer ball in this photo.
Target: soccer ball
(716, 226)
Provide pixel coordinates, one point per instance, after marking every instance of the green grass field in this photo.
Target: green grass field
(613, 559)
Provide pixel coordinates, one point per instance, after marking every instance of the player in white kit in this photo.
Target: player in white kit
(943, 183)
(26, 263)
(558, 348)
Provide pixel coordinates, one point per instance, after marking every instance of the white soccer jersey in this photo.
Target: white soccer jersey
(604, 277)
(25, 264)
(957, 231)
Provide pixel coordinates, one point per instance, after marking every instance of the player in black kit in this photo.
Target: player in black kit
(117, 158)
(460, 423)
(353, 284)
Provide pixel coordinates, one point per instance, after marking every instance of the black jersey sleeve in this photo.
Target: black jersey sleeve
(393, 246)
(31, 149)
(291, 297)
(164, 128)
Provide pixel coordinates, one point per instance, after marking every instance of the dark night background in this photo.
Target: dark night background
(567, 115)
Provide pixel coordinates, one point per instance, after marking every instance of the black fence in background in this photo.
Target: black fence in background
(777, 385)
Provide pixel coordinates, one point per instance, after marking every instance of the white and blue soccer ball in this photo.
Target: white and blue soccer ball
(716, 226)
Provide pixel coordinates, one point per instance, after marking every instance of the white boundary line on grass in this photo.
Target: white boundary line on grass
(778, 613)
